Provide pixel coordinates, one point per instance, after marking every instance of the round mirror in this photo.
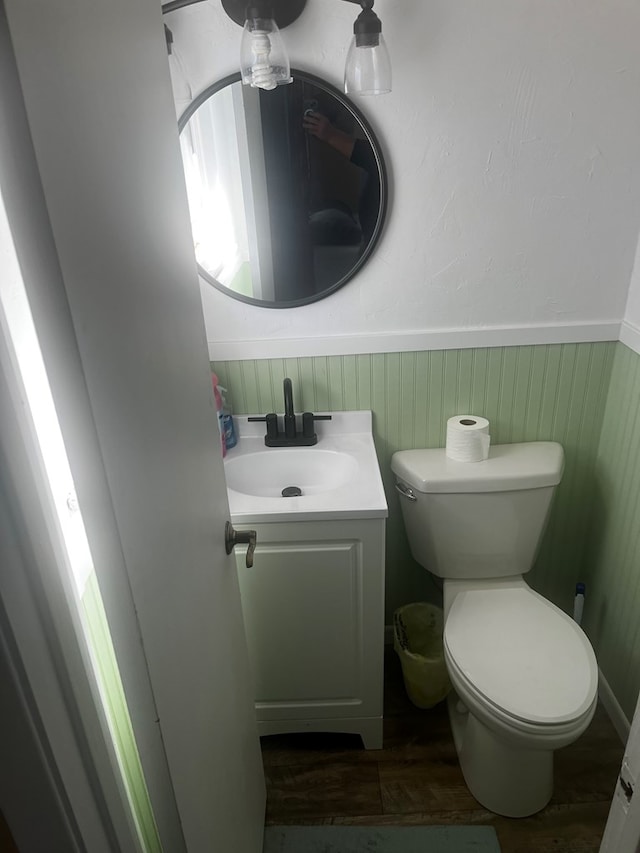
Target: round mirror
(287, 189)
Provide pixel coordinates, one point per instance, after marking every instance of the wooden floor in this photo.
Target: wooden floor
(415, 779)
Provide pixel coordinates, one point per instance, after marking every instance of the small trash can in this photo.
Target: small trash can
(417, 639)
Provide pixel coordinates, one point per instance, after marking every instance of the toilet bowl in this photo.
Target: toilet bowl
(524, 674)
(525, 684)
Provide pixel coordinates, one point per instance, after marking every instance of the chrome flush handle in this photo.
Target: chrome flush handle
(406, 492)
(233, 537)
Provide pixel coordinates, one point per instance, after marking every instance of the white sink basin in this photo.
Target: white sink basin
(269, 473)
(338, 477)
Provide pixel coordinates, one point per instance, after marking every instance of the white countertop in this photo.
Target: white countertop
(361, 497)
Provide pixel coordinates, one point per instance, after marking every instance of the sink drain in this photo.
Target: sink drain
(291, 492)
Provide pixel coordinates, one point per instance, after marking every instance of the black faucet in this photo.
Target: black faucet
(289, 415)
(289, 436)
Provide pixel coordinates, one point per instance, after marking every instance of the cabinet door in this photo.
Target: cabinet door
(303, 603)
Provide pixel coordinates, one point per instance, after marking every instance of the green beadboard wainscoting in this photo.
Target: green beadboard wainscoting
(547, 392)
(612, 607)
(115, 703)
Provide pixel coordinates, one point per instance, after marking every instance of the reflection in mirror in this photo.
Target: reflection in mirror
(287, 189)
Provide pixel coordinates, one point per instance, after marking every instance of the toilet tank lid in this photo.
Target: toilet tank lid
(510, 467)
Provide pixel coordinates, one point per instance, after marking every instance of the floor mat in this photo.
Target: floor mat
(377, 839)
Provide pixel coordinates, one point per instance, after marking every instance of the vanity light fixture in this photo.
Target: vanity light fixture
(264, 63)
(368, 68)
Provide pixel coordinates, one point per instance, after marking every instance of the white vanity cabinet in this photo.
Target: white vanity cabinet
(313, 606)
(313, 601)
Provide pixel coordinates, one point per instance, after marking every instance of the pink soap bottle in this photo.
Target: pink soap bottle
(217, 396)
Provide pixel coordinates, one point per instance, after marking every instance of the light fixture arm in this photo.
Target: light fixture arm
(173, 5)
(285, 12)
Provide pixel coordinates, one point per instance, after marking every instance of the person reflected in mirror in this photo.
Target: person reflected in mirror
(360, 153)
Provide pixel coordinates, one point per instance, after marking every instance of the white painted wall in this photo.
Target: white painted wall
(630, 332)
(512, 138)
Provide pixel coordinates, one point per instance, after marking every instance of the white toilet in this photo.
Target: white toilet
(524, 674)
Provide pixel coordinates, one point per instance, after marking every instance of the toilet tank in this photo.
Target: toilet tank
(478, 519)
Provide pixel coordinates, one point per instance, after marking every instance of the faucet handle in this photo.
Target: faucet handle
(308, 419)
(272, 424)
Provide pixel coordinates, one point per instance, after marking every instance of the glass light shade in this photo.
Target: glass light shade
(264, 63)
(368, 68)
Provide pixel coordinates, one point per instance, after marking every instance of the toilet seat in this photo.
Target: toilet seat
(519, 654)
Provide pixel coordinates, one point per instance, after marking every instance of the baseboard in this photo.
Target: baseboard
(611, 705)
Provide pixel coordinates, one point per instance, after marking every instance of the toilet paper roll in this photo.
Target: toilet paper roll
(468, 438)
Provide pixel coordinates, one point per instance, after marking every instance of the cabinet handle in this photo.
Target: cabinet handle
(406, 492)
(233, 537)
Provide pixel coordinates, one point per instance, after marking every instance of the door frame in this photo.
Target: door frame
(43, 647)
(40, 621)
(622, 831)
(44, 618)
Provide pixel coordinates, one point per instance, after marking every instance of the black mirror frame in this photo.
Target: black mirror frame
(384, 189)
